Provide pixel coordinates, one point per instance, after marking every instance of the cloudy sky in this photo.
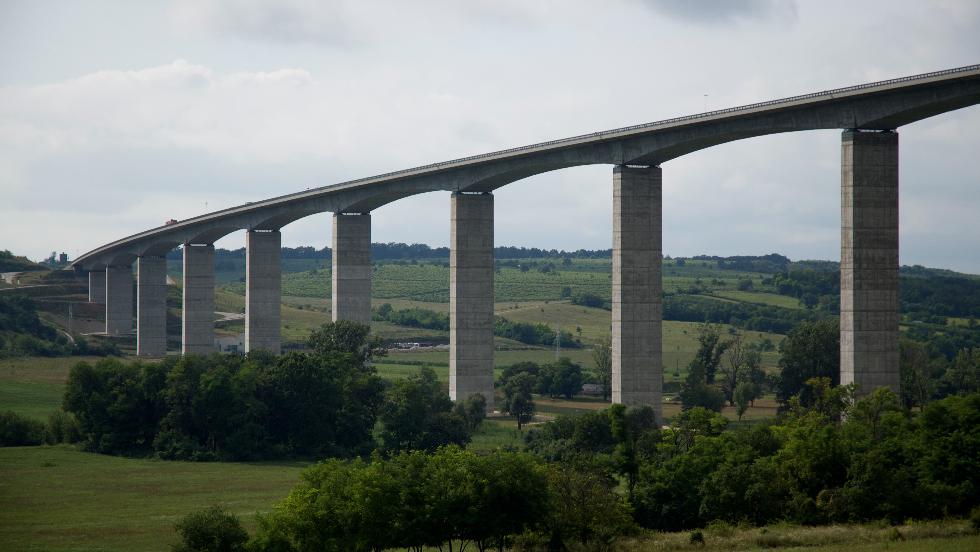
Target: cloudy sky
(118, 115)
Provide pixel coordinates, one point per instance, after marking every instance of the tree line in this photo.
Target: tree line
(322, 403)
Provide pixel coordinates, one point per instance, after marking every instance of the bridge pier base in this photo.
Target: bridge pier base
(351, 264)
(197, 322)
(471, 297)
(263, 284)
(96, 286)
(869, 312)
(637, 369)
(118, 299)
(151, 306)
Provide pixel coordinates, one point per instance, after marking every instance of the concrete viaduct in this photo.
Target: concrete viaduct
(868, 114)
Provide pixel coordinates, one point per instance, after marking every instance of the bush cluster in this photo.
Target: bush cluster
(17, 430)
(415, 500)
(829, 463)
(230, 407)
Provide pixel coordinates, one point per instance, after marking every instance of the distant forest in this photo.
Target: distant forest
(415, 251)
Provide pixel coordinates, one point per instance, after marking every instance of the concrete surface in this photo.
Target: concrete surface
(118, 300)
(96, 286)
(471, 297)
(197, 327)
(263, 284)
(869, 310)
(637, 369)
(351, 261)
(151, 306)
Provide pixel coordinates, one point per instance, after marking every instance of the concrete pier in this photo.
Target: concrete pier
(118, 300)
(351, 262)
(637, 369)
(151, 306)
(197, 323)
(96, 286)
(263, 283)
(471, 297)
(869, 312)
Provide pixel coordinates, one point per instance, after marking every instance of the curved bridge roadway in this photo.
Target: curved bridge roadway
(869, 114)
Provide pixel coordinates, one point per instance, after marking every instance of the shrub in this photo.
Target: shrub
(62, 427)
(18, 431)
(210, 530)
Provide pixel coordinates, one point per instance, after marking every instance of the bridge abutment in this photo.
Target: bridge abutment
(471, 297)
(351, 264)
(151, 306)
(637, 369)
(118, 299)
(869, 312)
(197, 322)
(96, 286)
(263, 283)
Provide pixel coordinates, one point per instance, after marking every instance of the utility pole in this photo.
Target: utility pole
(557, 341)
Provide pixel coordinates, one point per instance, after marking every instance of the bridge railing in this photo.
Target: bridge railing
(643, 126)
(570, 140)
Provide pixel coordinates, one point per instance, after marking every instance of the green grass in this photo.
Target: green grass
(955, 535)
(497, 433)
(34, 386)
(760, 298)
(60, 499)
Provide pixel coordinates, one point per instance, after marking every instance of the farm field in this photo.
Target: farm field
(429, 281)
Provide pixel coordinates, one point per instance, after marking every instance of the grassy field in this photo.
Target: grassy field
(56, 498)
(34, 386)
(760, 298)
(953, 535)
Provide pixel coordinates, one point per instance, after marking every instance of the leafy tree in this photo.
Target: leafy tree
(560, 378)
(344, 336)
(473, 409)
(584, 509)
(745, 393)
(210, 530)
(812, 350)
(917, 383)
(629, 426)
(527, 366)
(963, 376)
(19, 431)
(696, 392)
(738, 362)
(517, 398)
(602, 357)
(417, 415)
(710, 350)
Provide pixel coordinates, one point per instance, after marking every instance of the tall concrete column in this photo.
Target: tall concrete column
(351, 281)
(118, 299)
(151, 306)
(197, 323)
(869, 260)
(96, 287)
(263, 284)
(471, 297)
(637, 369)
